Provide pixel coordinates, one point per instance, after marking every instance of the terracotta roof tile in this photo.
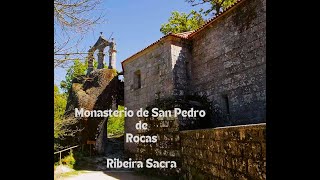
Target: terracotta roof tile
(184, 34)
(179, 35)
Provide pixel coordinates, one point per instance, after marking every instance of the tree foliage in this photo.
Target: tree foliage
(115, 125)
(182, 22)
(216, 6)
(60, 102)
(62, 125)
(77, 69)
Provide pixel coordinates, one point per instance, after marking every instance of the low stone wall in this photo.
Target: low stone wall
(235, 152)
(167, 147)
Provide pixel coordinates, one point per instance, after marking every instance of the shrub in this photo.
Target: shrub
(69, 160)
(115, 125)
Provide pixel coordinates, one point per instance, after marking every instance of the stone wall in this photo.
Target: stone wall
(229, 63)
(167, 147)
(180, 54)
(155, 66)
(225, 61)
(236, 152)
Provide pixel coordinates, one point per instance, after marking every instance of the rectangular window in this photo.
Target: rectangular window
(227, 106)
(137, 79)
(188, 70)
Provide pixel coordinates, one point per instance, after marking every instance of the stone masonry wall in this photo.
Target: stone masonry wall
(167, 147)
(180, 53)
(229, 63)
(156, 82)
(226, 61)
(236, 152)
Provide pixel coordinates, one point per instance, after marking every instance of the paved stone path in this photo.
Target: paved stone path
(101, 175)
(97, 170)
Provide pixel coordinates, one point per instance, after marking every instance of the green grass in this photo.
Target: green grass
(73, 173)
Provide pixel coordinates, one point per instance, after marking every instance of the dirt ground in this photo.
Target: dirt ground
(100, 175)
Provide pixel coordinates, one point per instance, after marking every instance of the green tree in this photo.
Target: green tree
(77, 69)
(60, 102)
(115, 125)
(182, 22)
(216, 6)
(62, 126)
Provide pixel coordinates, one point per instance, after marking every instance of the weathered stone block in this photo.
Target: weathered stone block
(229, 158)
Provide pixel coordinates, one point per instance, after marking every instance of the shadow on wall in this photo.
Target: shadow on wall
(219, 103)
(184, 96)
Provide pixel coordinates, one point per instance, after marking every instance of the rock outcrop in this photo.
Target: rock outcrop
(101, 90)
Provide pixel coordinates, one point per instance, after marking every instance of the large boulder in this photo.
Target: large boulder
(101, 90)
